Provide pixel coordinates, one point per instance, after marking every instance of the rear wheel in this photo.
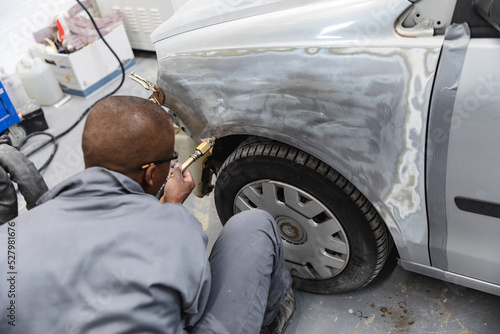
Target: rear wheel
(334, 239)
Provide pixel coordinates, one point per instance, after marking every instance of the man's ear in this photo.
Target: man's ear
(149, 175)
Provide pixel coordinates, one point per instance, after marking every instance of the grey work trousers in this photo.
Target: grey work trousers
(249, 277)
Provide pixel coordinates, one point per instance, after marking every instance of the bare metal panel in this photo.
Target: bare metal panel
(344, 87)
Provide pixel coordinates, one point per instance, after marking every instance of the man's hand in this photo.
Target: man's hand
(178, 187)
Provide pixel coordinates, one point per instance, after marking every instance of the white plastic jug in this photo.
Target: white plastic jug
(15, 90)
(39, 81)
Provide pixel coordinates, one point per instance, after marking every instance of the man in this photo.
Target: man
(101, 255)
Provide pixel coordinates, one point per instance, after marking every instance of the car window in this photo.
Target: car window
(489, 10)
(480, 28)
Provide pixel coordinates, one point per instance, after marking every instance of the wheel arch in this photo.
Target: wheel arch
(272, 174)
(226, 145)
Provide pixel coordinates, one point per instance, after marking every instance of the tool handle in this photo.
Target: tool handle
(192, 158)
(162, 189)
(185, 165)
(198, 153)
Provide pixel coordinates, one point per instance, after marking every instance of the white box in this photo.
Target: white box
(83, 72)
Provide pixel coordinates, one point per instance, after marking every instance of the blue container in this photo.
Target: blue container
(8, 114)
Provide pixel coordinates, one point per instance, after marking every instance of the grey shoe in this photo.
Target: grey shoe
(283, 317)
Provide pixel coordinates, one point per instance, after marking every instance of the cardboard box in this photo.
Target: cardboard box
(83, 72)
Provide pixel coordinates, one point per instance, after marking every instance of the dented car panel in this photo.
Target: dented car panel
(372, 88)
(365, 100)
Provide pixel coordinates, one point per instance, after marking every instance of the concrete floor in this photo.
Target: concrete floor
(397, 301)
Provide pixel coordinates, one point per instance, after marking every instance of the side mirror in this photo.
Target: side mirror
(489, 10)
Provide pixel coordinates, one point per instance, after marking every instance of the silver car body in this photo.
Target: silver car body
(374, 88)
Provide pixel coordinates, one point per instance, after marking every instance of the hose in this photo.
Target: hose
(53, 139)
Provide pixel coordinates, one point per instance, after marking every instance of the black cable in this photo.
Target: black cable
(53, 139)
(82, 116)
(116, 89)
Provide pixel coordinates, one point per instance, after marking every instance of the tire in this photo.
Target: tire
(334, 240)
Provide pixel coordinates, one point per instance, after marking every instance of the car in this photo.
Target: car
(360, 125)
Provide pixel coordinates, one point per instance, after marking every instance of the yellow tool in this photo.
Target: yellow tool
(203, 148)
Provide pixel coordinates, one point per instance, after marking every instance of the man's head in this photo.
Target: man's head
(123, 133)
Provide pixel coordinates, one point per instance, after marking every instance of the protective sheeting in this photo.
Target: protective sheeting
(445, 90)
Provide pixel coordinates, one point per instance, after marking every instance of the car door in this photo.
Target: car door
(464, 179)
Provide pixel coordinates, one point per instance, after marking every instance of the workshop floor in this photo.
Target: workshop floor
(397, 301)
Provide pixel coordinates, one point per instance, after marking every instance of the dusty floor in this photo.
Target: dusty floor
(396, 302)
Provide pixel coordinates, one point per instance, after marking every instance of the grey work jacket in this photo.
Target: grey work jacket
(98, 255)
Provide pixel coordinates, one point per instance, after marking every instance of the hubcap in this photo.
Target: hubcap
(291, 231)
(316, 246)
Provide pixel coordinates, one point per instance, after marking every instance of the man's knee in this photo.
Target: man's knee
(250, 227)
(251, 220)
(250, 235)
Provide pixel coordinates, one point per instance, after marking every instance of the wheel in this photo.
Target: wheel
(334, 240)
(17, 133)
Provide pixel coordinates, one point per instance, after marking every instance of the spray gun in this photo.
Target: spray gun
(159, 97)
